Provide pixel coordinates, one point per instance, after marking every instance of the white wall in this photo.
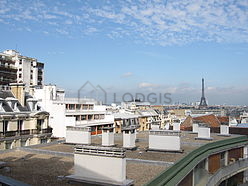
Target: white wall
(170, 143)
(128, 140)
(176, 126)
(57, 120)
(155, 127)
(99, 108)
(107, 138)
(224, 129)
(100, 167)
(78, 137)
(195, 128)
(203, 132)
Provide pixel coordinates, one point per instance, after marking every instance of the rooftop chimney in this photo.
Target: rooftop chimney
(18, 89)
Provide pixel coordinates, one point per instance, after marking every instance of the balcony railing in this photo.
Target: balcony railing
(174, 174)
(8, 134)
(25, 132)
(47, 130)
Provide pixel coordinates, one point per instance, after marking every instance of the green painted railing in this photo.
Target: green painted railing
(173, 175)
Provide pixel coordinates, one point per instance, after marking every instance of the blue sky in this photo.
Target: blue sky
(136, 46)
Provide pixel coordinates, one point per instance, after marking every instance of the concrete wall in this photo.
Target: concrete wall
(170, 143)
(100, 167)
(78, 137)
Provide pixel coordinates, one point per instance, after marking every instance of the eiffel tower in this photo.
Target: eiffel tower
(203, 99)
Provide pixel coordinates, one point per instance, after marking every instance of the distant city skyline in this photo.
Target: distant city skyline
(136, 46)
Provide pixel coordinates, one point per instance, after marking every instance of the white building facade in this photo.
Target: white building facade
(72, 111)
(29, 70)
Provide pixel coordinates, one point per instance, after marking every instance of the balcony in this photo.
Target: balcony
(25, 132)
(41, 131)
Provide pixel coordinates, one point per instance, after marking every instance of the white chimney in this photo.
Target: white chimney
(78, 135)
(165, 140)
(108, 136)
(129, 137)
(100, 165)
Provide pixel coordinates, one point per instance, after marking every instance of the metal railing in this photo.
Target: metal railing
(176, 173)
(24, 132)
(100, 151)
(228, 171)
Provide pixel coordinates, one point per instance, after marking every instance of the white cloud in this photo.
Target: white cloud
(154, 22)
(147, 85)
(127, 74)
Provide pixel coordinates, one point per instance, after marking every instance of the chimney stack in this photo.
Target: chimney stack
(18, 90)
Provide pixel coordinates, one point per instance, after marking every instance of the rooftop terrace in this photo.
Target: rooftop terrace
(44, 163)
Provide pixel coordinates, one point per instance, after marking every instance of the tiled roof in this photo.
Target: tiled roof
(223, 119)
(187, 122)
(210, 120)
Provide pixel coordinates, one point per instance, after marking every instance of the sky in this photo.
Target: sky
(125, 46)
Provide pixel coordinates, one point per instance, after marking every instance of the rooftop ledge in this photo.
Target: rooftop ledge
(101, 151)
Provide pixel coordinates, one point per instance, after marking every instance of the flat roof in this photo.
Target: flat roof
(42, 166)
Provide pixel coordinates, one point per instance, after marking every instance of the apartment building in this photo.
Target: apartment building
(22, 121)
(72, 111)
(124, 120)
(147, 118)
(27, 69)
(8, 70)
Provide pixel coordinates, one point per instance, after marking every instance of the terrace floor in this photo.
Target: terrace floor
(37, 168)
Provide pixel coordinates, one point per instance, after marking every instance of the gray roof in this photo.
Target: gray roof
(6, 107)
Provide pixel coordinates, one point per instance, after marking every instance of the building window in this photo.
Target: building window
(83, 117)
(78, 106)
(85, 107)
(90, 117)
(71, 107)
(77, 118)
(40, 124)
(20, 75)
(19, 125)
(5, 126)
